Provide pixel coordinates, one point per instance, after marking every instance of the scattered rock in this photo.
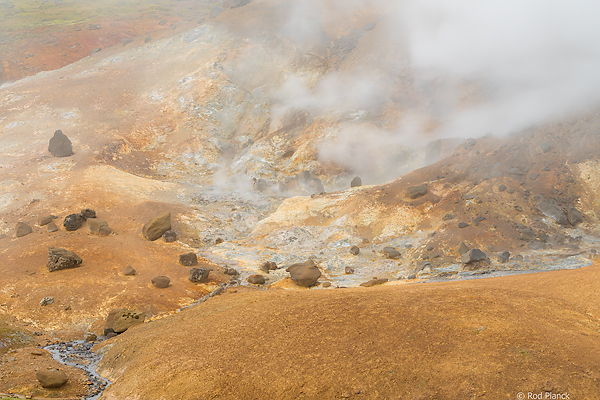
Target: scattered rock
(373, 282)
(574, 216)
(51, 378)
(46, 301)
(462, 224)
(73, 222)
(550, 208)
(88, 213)
(546, 147)
(129, 271)
(414, 192)
(22, 229)
(503, 257)
(98, 227)
(462, 248)
(218, 241)
(188, 259)
(161, 281)
(52, 227)
(157, 226)
(256, 279)
(169, 236)
(391, 252)
(60, 145)
(304, 274)
(45, 219)
(354, 250)
(268, 266)
(501, 188)
(59, 258)
(472, 256)
(125, 319)
(199, 274)
(89, 337)
(356, 182)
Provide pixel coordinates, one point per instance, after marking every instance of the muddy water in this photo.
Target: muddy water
(79, 354)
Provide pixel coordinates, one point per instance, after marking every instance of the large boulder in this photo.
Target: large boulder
(124, 319)
(472, 256)
(22, 229)
(550, 209)
(60, 145)
(72, 222)
(414, 192)
(161, 281)
(61, 259)
(304, 274)
(256, 279)
(51, 378)
(98, 226)
(199, 274)
(356, 182)
(156, 226)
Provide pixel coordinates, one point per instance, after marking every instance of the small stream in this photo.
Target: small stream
(79, 354)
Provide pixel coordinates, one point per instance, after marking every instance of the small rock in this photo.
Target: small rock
(354, 250)
(22, 229)
(516, 171)
(447, 217)
(533, 176)
(230, 271)
(46, 301)
(462, 224)
(503, 257)
(188, 259)
(574, 216)
(52, 227)
(88, 213)
(44, 220)
(326, 284)
(256, 279)
(349, 270)
(110, 335)
(546, 147)
(414, 192)
(468, 197)
(129, 270)
(501, 188)
(169, 236)
(356, 182)
(268, 266)
(51, 378)
(98, 227)
(472, 256)
(61, 259)
(199, 274)
(536, 245)
(373, 282)
(89, 337)
(73, 222)
(157, 226)
(462, 248)
(391, 252)
(161, 281)
(60, 145)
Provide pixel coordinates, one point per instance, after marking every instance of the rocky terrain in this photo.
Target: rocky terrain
(204, 179)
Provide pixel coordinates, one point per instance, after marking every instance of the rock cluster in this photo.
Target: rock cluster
(61, 259)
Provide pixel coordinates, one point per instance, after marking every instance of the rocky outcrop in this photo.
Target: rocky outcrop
(188, 259)
(161, 281)
(59, 258)
(199, 275)
(98, 227)
(22, 229)
(304, 274)
(125, 319)
(51, 378)
(60, 145)
(157, 226)
(73, 222)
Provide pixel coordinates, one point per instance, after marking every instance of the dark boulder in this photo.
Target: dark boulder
(60, 145)
(414, 192)
(304, 274)
(462, 224)
(73, 222)
(256, 279)
(157, 226)
(51, 378)
(22, 229)
(161, 282)
(199, 274)
(61, 259)
(462, 248)
(501, 188)
(472, 256)
(188, 259)
(356, 182)
(550, 208)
